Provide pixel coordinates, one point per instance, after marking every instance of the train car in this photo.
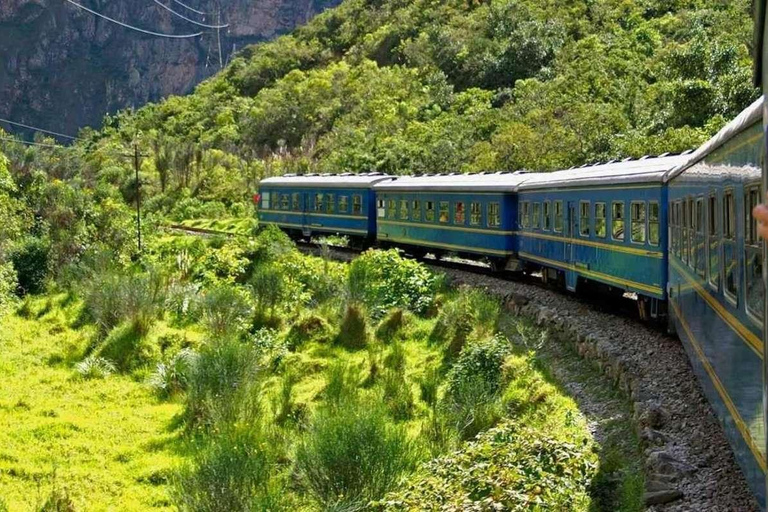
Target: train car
(600, 224)
(715, 289)
(471, 215)
(308, 205)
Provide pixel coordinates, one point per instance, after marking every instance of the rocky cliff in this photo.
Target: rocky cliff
(63, 68)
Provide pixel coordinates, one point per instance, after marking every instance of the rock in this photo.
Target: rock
(650, 414)
(662, 462)
(661, 497)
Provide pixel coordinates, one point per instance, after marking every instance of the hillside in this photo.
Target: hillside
(63, 68)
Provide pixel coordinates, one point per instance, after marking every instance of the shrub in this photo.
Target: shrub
(95, 368)
(353, 333)
(223, 384)
(471, 407)
(224, 310)
(173, 377)
(268, 286)
(471, 314)
(510, 467)
(58, 501)
(271, 245)
(8, 284)
(111, 298)
(182, 301)
(30, 258)
(235, 473)
(383, 280)
(352, 455)
(308, 327)
(390, 325)
(128, 348)
(481, 361)
(397, 395)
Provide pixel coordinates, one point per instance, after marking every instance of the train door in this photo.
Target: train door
(306, 198)
(570, 228)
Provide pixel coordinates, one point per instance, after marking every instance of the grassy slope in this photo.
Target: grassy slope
(107, 442)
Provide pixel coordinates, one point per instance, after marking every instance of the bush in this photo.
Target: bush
(95, 368)
(174, 376)
(351, 455)
(510, 467)
(397, 395)
(271, 245)
(471, 407)
(30, 258)
(58, 501)
(235, 473)
(481, 361)
(224, 310)
(471, 314)
(383, 280)
(390, 325)
(8, 285)
(268, 286)
(223, 385)
(353, 333)
(308, 327)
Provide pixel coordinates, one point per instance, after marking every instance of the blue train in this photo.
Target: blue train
(676, 230)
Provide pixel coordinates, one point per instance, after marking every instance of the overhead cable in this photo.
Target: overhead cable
(161, 4)
(137, 29)
(190, 8)
(11, 139)
(70, 137)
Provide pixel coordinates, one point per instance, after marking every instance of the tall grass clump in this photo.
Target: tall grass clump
(471, 314)
(173, 377)
(95, 368)
(223, 384)
(353, 454)
(236, 472)
(391, 325)
(224, 310)
(353, 333)
(340, 384)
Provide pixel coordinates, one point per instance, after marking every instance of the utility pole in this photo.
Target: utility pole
(138, 193)
(218, 33)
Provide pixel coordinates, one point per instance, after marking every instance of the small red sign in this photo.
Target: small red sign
(256, 198)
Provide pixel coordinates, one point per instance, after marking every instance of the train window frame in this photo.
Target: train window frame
(357, 204)
(402, 211)
(295, 205)
(753, 244)
(416, 210)
(381, 208)
(459, 213)
(643, 223)
(391, 208)
(651, 222)
(713, 239)
(584, 225)
(265, 197)
(729, 236)
(536, 215)
(475, 213)
(344, 204)
(319, 202)
(525, 215)
(558, 212)
(604, 218)
(330, 203)
(429, 211)
(493, 219)
(698, 235)
(285, 199)
(444, 208)
(679, 215)
(622, 220)
(546, 210)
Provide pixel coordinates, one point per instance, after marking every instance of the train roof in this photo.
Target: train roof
(478, 182)
(744, 120)
(647, 169)
(344, 180)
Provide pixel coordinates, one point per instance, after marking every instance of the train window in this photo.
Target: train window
(637, 212)
(403, 209)
(600, 230)
(416, 210)
(684, 230)
(558, 216)
(699, 250)
(494, 216)
(443, 211)
(344, 205)
(547, 224)
(318, 202)
(357, 204)
(265, 200)
(475, 213)
(429, 212)
(526, 214)
(381, 210)
(730, 260)
(295, 202)
(391, 209)
(753, 256)
(459, 216)
(713, 262)
(617, 220)
(330, 203)
(284, 200)
(536, 223)
(679, 224)
(653, 223)
(584, 218)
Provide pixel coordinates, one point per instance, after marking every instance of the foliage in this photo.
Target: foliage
(8, 284)
(510, 467)
(30, 258)
(95, 368)
(351, 455)
(353, 332)
(58, 501)
(308, 327)
(224, 311)
(385, 280)
(173, 377)
(481, 361)
(390, 325)
(128, 347)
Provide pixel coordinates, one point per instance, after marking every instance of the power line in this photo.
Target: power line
(190, 8)
(70, 137)
(137, 29)
(10, 139)
(161, 4)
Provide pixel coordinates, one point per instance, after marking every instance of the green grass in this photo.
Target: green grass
(107, 441)
(233, 225)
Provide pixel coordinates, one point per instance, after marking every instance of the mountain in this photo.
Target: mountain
(63, 68)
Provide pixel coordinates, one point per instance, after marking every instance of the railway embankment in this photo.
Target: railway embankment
(688, 462)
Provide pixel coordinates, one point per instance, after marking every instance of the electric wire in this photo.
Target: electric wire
(70, 137)
(11, 139)
(137, 29)
(190, 8)
(161, 4)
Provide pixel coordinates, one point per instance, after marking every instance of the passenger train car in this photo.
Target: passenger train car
(715, 282)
